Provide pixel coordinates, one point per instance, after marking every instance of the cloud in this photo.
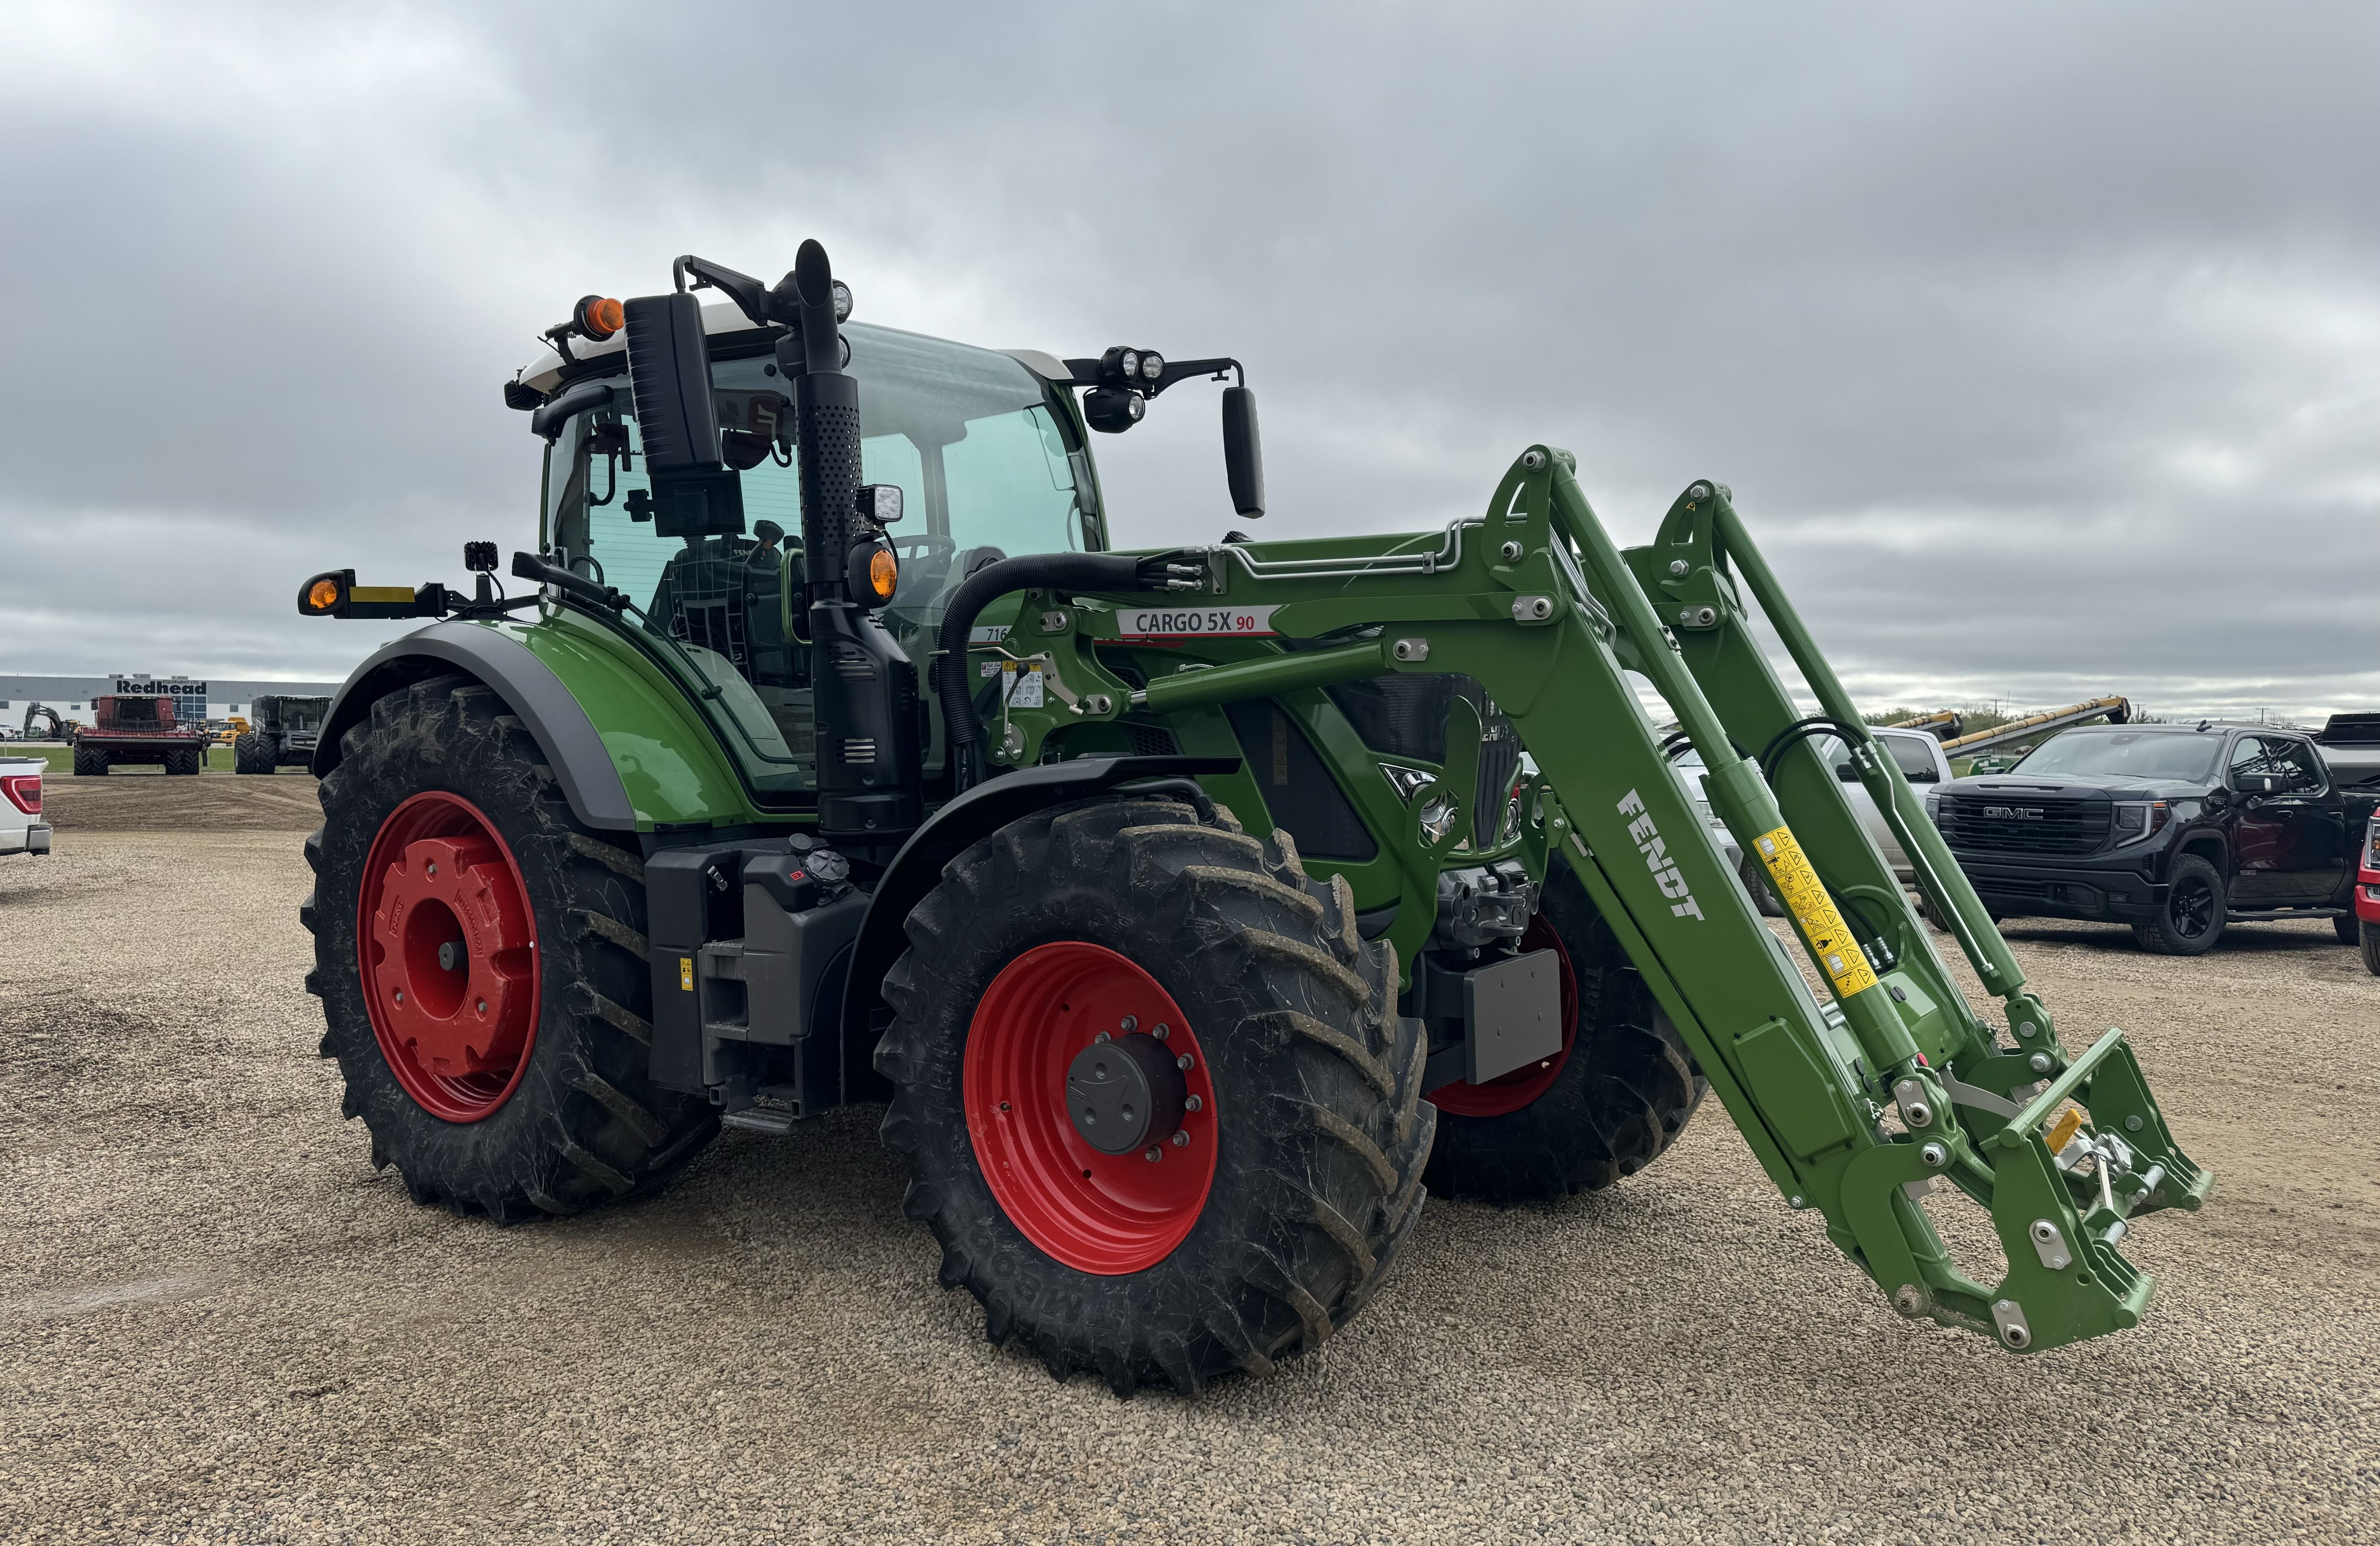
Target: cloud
(2036, 344)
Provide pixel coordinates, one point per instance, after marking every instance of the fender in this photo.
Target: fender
(528, 688)
(954, 828)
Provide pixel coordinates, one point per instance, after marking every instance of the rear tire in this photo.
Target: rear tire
(579, 1123)
(183, 761)
(2371, 940)
(249, 754)
(89, 764)
(2194, 913)
(1620, 1093)
(1315, 1137)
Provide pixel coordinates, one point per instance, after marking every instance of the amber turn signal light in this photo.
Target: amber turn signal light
(323, 594)
(883, 574)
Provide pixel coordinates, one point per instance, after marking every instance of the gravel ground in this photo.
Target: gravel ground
(217, 1323)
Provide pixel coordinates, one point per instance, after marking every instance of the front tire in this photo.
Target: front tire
(250, 754)
(88, 763)
(1616, 1096)
(183, 761)
(2194, 913)
(2371, 941)
(2347, 927)
(511, 1081)
(1267, 1226)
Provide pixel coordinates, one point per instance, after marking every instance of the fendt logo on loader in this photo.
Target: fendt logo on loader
(1647, 838)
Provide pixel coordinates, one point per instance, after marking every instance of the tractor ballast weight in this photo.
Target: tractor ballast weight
(1130, 745)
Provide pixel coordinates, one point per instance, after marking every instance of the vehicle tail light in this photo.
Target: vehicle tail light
(24, 792)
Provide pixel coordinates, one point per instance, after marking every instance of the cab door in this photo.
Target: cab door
(2290, 845)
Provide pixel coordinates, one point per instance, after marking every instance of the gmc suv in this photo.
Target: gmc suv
(2178, 831)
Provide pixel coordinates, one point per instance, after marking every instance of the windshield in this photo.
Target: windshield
(2185, 755)
(988, 465)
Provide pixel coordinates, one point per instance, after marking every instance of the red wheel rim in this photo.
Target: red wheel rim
(457, 1038)
(1503, 1096)
(1099, 1212)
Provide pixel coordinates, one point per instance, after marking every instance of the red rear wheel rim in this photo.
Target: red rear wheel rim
(1098, 1213)
(1504, 1096)
(457, 1038)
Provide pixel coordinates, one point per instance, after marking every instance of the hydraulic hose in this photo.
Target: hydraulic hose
(1033, 571)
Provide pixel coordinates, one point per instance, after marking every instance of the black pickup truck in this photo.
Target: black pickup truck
(2176, 830)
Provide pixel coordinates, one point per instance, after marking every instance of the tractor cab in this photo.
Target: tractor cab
(988, 452)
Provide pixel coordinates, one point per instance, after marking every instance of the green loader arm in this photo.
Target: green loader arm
(1856, 1104)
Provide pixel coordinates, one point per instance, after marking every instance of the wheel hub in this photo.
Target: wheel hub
(449, 950)
(1124, 1094)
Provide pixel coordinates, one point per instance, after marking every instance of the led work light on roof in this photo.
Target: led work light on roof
(1152, 366)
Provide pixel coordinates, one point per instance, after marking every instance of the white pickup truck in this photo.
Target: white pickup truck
(1922, 762)
(22, 831)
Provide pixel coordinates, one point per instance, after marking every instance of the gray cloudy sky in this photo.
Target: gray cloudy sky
(2040, 343)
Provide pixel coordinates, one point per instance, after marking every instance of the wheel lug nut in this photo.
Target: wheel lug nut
(1100, 1036)
(1154, 1154)
(1193, 1103)
(1181, 1138)
(1130, 1024)
(1160, 1031)
(1184, 1062)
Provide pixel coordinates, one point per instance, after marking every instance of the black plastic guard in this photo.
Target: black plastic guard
(958, 826)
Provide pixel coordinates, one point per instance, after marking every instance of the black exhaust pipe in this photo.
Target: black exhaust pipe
(864, 687)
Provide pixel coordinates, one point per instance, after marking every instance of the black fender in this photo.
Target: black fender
(956, 827)
(529, 689)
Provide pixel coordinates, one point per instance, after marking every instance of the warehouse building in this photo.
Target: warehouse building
(195, 697)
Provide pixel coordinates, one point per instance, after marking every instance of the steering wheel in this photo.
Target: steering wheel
(924, 542)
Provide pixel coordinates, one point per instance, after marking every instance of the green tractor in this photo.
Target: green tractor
(1190, 913)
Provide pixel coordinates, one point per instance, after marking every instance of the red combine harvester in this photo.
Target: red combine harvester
(135, 729)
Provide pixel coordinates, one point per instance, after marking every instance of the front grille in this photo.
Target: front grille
(2016, 823)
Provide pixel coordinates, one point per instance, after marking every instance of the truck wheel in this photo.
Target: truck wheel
(183, 760)
(1764, 900)
(501, 1068)
(2345, 926)
(88, 763)
(2194, 915)
(1617, 1094)
(2370, 932)
(1159, 1106)
(250, 755)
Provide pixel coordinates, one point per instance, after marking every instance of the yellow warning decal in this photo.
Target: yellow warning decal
(686, 973)
(1814, 912)
(381, 593)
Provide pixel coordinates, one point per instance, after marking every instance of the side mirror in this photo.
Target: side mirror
(693, 493)
(1242, 454)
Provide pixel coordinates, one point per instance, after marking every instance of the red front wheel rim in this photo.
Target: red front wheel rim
(1098, 1213)
(446, 942)
(1521, 1088)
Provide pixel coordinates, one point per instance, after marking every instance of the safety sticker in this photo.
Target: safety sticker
(1814, 912)
(1195, 622)
(1022, 688)
(686, 973)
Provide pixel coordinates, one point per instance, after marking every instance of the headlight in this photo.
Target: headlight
(1131, 363)
(1934, 809)
(2372, 845)
(2135, 819)
(1152, 366)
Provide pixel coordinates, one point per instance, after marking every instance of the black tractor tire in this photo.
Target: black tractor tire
(1755, 881)
(1318, 1131)
(2345, 926)
(1622, 1096)
(251, 753)
(184, 761)
(2194, 913)
(583, 1125)
(2371, 941)
(88, 763)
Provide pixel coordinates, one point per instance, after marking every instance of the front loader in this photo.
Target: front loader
(1191, 913)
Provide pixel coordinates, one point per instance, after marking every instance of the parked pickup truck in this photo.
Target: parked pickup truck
(22, 831)
(2177, 830)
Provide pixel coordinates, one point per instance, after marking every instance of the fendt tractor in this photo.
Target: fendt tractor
(1189, 912)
